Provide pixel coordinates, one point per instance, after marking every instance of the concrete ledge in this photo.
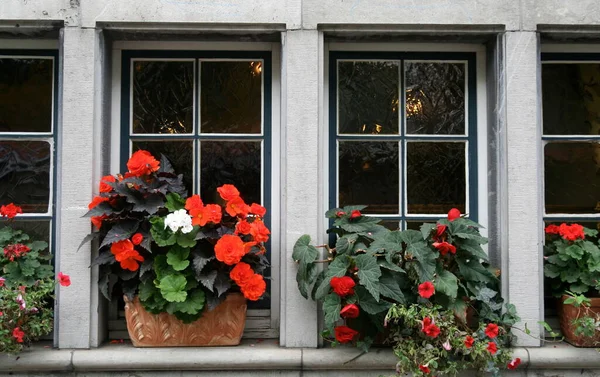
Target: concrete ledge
(258, 356)
(38, 360)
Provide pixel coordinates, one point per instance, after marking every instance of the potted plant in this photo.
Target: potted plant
(185, 267)
(572, 268)
(26, 286)
(432, 293)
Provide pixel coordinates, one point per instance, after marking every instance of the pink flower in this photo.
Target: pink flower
(447, 345)
(21, 302)
(2, 280)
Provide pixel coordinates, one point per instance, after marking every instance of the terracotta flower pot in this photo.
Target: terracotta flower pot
(222, 326)
(568, 313)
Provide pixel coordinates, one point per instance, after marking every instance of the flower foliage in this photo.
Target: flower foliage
(26, 286)
(177, 253)
(439, 270)
(572, 259)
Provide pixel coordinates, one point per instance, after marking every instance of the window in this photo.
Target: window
(210, 113)
(403, 134)
(571, 138)
(27, 138)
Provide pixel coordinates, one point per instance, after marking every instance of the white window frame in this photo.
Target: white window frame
(260, 323)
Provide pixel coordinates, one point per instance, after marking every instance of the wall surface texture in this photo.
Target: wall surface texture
(85, 31)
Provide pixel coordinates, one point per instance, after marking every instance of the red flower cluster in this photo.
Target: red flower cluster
(343, 286)
(492, 348)
(453, 214)
(104, 186)
(469, 341)
(445, 247)
(513, 364)
(201, 214)
(350, 311)
(571, 232)
(142, 163)
(429, 328)
(426, 289)
(425, 369)
(230, 249)
(10, 211)
(126, 255)
(251, 284)
(344, 334)
(18, 335)
(64, 279)
(11, 252)
(491, 330)
(355, 214)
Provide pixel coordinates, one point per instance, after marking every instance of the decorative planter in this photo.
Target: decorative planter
(568, 313)
(222, 326)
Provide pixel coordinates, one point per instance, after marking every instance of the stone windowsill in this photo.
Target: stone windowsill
(254, 355)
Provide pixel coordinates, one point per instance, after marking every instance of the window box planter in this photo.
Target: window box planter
(568, 313)
(222, 326)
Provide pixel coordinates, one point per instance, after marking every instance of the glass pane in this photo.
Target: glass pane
(369, 175)
(368, 97)
(435, 98)
(571, 99)
(25, 174)
(435, 177)
(179, 153)
(26, 95)
(391, 224)
(234, 162)
(163, 97)
(416, 225)
(38, 230)
(571, 177)
(231, 97)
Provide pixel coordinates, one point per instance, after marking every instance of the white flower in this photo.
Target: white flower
(447, 345)
(179, 220)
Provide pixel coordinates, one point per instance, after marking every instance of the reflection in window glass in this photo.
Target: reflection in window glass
(571, 99)
(163, 97)
(38, 230)
(436, 177)
(435, 98)
(416, 225)
(369, 175)
(234, 162)
(231, 97)
(26, 95)
(25, 174)
(368, 97)
(572, 177)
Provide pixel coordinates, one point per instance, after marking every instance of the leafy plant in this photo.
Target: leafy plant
(26, 287)
(369, 270)
(176, 253)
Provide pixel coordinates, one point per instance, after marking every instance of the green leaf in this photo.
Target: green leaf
(161, 235)
(145, 267)
(362, 224)
(473, 270)
(389, 286)
(473, 248)
(187, 239)
(177, 257)
(85, 240)
(345, 244)
(459, 307)
(193, 304)
(161, 267)
(150, 204)
(551, 271)
(318, 282)
(104, 257)
(367, 302)
(38, 245)
(578, 288)
(411, 237)
(446, 282)
(574, 251)
(331, 214)
(331, 307)
(304, 252)
(390, 266)
(307, 273)
(338, 267)
(426, 229)
(424, 260)
(28, 266)
(174, 202)
(369, 273)
(147, 290)
(119, 232)
(172, 288)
